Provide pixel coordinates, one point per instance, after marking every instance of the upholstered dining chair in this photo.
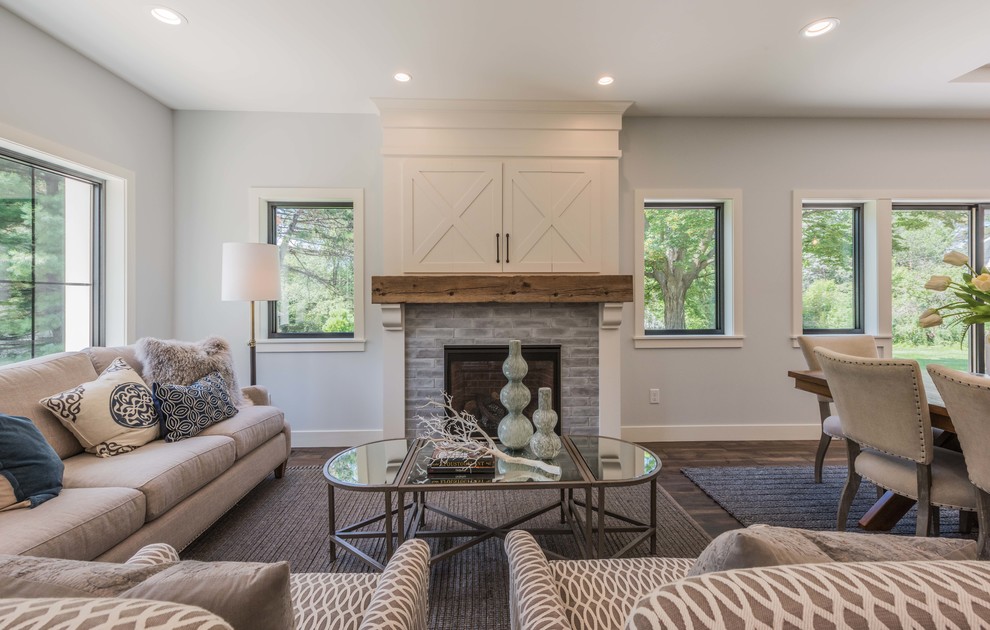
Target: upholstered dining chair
(967, 398)
(884, 415)
(855, 345)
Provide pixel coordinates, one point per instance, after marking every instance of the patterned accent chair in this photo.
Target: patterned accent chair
(395, 599)
(655, 593)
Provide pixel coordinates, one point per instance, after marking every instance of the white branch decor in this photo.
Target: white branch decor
(457, 431)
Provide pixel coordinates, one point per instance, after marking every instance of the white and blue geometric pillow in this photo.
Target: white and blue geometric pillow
(185, 410)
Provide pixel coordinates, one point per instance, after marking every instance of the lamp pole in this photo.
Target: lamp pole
(253, 349)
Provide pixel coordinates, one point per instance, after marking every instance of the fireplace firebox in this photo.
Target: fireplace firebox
(472, 376)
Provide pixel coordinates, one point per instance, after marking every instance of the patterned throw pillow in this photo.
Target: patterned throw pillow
(171, 362)
(188, 409)
(113, 414)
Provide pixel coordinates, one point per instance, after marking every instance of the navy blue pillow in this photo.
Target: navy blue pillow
(30, 469)
(185, 410)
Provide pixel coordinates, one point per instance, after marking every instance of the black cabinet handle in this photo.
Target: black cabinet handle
(498, 246)
(506, 247)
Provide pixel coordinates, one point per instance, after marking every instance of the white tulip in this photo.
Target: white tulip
(929, 318)
(938, 283)
(956, 258)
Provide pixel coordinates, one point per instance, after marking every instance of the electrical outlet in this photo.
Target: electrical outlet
(654, 396)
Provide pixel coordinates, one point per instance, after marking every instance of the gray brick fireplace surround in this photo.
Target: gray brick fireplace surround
(429, 327)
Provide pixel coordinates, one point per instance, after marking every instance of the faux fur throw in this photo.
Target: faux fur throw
(171, 362)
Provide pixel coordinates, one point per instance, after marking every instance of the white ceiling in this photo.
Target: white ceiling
(671, 57)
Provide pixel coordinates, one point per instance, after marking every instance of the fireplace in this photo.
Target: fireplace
(472, 376)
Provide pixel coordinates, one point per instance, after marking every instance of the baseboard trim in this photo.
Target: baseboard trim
(316, 439)
(721, 432)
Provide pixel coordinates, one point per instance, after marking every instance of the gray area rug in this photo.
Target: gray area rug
(286, 519)
(788, 496)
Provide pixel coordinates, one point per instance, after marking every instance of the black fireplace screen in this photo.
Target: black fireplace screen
(472, 376)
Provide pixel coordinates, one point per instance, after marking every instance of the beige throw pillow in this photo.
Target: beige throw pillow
(768, 546)
(113, 414)
(248, 595)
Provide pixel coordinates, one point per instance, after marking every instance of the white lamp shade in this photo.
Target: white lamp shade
(250, 272)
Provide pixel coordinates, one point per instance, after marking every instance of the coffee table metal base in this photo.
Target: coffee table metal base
(570, 515)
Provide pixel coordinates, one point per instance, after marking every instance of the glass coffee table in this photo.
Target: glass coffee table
(397, 468)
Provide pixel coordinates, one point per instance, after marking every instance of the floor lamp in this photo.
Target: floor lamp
(250, 272)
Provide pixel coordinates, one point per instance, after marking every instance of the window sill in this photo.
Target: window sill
(688, 341)
(310, 345)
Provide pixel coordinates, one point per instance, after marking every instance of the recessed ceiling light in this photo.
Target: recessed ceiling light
(605, 80)
(167, 16)
(820, 27)
(402, 77)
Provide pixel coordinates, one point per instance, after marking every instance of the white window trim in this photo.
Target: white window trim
(258, 222)
(877, 253)
(119, 250)
(732, 272)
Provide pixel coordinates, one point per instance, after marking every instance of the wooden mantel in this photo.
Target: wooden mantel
(532, 289)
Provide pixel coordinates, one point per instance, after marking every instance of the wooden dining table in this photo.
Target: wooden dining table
(890, 507)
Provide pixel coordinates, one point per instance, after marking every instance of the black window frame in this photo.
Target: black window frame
(273, 333)
(859, 287)
(720, 236)
(97, 246)
(976, 252)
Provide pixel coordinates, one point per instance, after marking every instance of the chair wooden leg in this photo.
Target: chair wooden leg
(851, 487)
(823, 444)
(923, 525)
(983, 514)
(936, 518)
(280, 471)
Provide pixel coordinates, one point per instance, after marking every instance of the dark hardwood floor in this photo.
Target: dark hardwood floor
(676, 455)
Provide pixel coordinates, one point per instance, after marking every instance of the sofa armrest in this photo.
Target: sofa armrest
(534, 602)
(153, 555)
(257, 394)
(400, 600)
(915, 594)
(71, 613)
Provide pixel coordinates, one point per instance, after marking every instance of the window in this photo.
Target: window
(832, 268)
(320, 236)
(50, 267)
(921, 235)
(682, 268)
(688, 266)
(316, 251)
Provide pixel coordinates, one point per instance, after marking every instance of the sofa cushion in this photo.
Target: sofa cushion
(30, 469)
(600, 593)
(165, 473)
(167, 361)
(80, 523)
(103, 357)
(765, 546)
(186, 410)
(853, 596)
(331, 601)
(23, 384)
(113, 414)
(250, 428)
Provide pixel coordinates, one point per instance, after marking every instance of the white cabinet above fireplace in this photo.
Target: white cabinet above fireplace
(471, 215)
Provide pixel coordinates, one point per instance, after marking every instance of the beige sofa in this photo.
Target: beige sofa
(159, 493)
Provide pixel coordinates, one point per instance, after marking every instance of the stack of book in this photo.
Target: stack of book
(449, 462)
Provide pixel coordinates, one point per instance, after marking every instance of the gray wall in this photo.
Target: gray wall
(767, 159)
(55, 96)
(219, 157)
